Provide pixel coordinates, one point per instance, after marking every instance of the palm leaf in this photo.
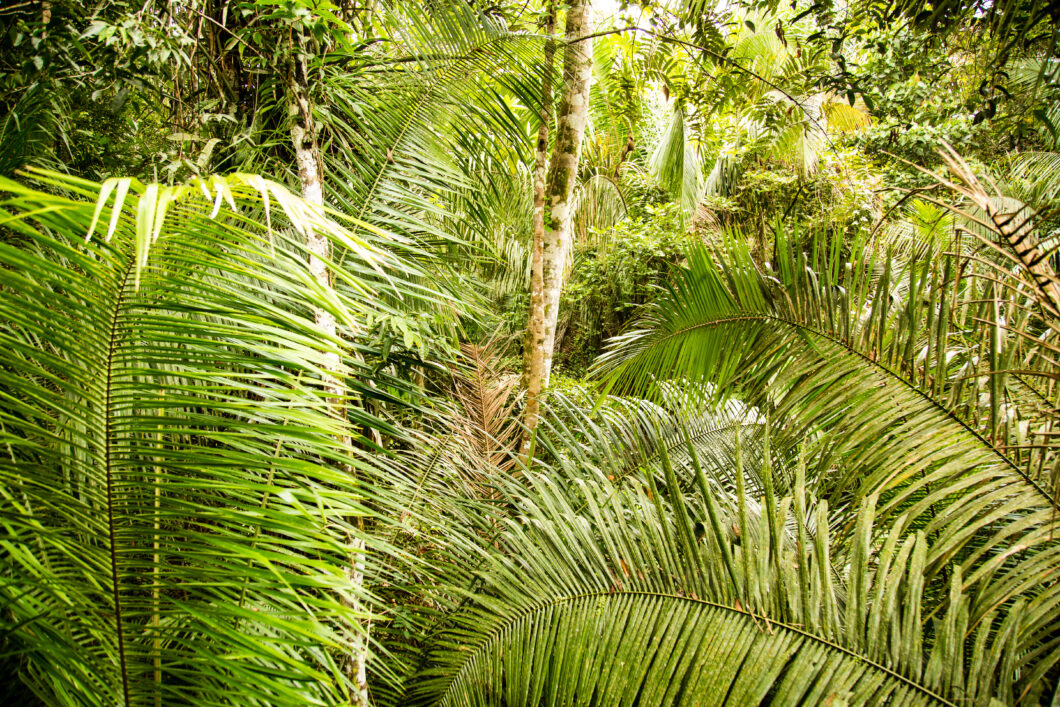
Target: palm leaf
(1041, 172)
(484, 394)
(178, 511)
(599, 590)
(832, 360)
(675, 161)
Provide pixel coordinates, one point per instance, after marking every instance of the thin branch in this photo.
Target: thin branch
(235, 36)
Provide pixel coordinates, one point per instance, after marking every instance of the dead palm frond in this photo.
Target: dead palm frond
(485, 396)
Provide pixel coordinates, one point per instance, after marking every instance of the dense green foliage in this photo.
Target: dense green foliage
(801, 446)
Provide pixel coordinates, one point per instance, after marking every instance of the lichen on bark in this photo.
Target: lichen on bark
(552, 233)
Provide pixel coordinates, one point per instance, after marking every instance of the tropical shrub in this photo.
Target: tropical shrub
(615, 275)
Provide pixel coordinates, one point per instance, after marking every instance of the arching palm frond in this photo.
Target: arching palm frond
(596, 206)
(922, 228)
(630, 434)
(420, 137)
(31, 129)
(635, 591)
(612, 119)
(802, 142)
(881, 387)
(456, 69)
(1006, 225)
(1040, 171)
(178, 510)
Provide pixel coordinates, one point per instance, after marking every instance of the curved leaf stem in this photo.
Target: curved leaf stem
(108, 464)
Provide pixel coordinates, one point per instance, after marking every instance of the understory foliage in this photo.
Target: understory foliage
(872, 522)
(612, 278)
(806, 449)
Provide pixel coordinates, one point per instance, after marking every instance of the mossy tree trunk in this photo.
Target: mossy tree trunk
(552, 232)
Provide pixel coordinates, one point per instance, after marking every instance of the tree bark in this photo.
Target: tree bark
(531, 363)
(310, 175)
(552, 232)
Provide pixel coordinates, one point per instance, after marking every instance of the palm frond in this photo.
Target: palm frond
(846, 118)
(1012, 227)
(834, 360)
(675, 162)
(597, 205)
(485, 394)
(32, 127)
(630, 434)
(178, 511)
(602, 589)
(1041, 171)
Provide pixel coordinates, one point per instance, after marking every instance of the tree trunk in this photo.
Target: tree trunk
(531, 362)
(310, 175)
(552, 232)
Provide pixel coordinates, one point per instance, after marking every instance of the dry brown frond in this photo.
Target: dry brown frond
(484, 392)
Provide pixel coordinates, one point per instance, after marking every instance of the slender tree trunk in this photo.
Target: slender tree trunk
(310, 175)
(532, 363)
(552, 233)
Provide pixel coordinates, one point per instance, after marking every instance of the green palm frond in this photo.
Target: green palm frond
(432, 178)
(803, 141)
(596, 206)
(179, 513)
(846, 118)
(422, 111)
(637, 591)
(882, 388)
(676, 162)
(761, 51)
(921, 229)
(1041, 172)
(1006, 226)
(31, 129)
(630, 434)
(406, 154)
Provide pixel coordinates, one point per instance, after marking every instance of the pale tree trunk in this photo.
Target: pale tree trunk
(552, 234)
(310, 175)
(532, 363)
